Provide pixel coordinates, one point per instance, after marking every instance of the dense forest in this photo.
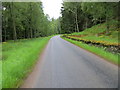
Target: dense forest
(26, 20)
(77, 16)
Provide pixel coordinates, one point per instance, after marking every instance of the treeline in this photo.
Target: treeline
(25, 20)
(77, 16)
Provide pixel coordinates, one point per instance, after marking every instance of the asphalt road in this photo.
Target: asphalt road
(64, 65)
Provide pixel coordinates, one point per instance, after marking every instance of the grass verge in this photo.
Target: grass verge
(98, 51)
(0, 75)
(19, 58)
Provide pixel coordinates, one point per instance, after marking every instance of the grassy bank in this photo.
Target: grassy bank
(99, 51)
(104, 43)
(98, 33)
(19, 58)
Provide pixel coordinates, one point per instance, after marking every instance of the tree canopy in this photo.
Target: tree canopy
(25, 20)
(77, 16)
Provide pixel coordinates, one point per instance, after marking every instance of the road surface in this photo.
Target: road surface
(64, 65)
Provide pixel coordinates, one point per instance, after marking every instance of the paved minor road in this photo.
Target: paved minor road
(64, 65)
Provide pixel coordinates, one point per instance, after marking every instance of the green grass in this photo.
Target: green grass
(93, 33)
(0, 67)
(99, 51)
(101, 38)
(0, 75)
(19, 59)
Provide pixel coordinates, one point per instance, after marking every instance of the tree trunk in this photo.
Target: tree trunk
(31, 33)
(95, 23)
(4, 28)
(86, 24)
(107, 25)
(59, 27)
(28, 36)
(77, 22)
(107, 21)
(13, 23)
(24, 34)
(14, 31)
(75, 28)
(5, 35)
(30, 22)
(118, 14)
(100, 20)
(35, 34)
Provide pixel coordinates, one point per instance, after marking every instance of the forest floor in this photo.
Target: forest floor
(18, 59)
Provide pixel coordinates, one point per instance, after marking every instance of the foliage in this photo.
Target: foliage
(24, 20)
(88, 14)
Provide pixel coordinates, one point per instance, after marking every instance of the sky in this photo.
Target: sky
(52, 8)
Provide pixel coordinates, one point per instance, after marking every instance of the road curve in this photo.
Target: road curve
(64, 65)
